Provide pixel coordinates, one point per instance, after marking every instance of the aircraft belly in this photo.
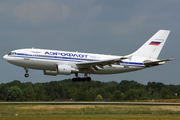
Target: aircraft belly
(34, 64)
(43, 65)
(21, 62)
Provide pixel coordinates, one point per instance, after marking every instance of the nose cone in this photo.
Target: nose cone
(5, 57)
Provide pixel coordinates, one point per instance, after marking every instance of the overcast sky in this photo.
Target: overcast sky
(116, 27)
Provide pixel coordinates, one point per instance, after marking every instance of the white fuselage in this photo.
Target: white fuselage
(54, 62)
(43, 59)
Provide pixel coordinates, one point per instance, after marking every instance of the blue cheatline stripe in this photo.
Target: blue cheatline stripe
(58, 57)
(45, 57)
(135, 64)
(49, 58)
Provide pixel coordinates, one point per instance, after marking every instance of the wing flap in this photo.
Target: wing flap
(100, 64)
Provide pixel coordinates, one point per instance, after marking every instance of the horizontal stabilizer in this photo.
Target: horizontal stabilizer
(148, 63)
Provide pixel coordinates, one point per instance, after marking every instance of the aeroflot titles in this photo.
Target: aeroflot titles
(66, 54)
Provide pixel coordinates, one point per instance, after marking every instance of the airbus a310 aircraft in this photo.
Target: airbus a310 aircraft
(54, 62)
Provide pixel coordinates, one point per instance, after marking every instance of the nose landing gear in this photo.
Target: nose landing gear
(26, 75)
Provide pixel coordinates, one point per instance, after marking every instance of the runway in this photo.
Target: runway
(92, 103)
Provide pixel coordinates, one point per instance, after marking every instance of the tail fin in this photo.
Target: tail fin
(153, 46)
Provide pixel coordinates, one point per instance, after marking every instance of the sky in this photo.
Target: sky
(116, 27)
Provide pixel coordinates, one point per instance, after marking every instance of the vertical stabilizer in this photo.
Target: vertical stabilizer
(153, 46)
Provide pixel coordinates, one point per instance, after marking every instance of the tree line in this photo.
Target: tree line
(87, 91)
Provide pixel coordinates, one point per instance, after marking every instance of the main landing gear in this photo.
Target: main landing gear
(26, 75)
(81, 79)
(85, 78)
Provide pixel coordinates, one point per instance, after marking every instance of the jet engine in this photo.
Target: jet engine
(61, 69)
(66, 69)
(50, 72)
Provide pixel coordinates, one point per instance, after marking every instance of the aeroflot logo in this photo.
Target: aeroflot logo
(66, 54)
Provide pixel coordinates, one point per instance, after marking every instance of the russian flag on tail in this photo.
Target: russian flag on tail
(154, 43)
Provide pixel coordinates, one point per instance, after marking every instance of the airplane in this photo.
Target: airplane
(54, 62)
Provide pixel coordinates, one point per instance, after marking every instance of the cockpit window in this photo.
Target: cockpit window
(12, 53)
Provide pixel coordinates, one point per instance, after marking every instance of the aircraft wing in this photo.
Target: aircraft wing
(154, 63)
(99, 64)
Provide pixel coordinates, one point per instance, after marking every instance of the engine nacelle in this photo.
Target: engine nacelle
(50, 72)
(66, 69)
(61, 69)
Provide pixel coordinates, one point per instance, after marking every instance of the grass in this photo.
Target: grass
(95, 117)
(74, 112)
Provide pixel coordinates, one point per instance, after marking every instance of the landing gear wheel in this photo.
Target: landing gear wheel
(26, 75)
(79, 79)
(83, 79)
(88, 79)
(74, 79)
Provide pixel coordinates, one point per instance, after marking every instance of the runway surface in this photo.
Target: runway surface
(93, 103)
